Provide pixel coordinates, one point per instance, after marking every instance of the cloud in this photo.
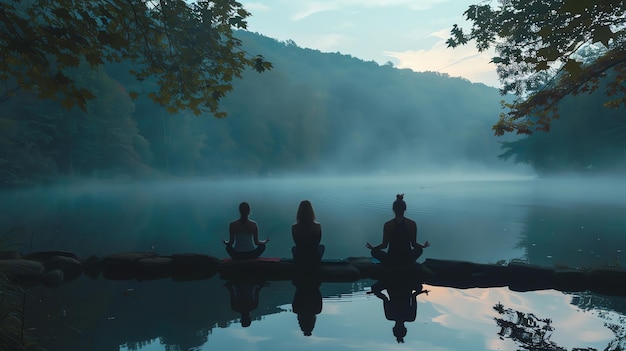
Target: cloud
(464, 61)
(411, 4)
(247, 336)
(256, 7)
(312, 8)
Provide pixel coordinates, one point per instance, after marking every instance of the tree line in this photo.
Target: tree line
(313, 112)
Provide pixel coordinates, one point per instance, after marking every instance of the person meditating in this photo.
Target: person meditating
(400, 235)
(307, 234)
(243, 241)
(400, 303)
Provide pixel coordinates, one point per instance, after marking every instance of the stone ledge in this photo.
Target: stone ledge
(58, 267)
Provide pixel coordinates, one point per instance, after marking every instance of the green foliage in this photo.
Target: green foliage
(314, 112)
(187, 49)
(42, 140)
(589, 139)
(538, 43)
(11, 329)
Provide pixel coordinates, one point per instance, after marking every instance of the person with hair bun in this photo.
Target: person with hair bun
(400, 235)
(243, 241)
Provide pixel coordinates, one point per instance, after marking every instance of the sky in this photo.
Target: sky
(409, 33)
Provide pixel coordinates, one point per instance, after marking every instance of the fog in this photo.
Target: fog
(472, 217)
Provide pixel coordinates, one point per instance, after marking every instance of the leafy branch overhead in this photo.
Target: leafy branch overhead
(547, 50)
(183, 53)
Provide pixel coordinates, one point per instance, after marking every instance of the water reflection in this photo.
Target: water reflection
(400, 303)
(244, 298)
(532, 332)
(473, 221)
(575, 234)
(100, 315)
(307, 303)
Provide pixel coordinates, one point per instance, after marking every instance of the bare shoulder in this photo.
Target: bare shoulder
(411, 223)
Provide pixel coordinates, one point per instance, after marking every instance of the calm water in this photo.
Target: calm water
(578, 223)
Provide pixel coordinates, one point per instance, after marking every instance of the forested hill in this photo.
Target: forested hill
(312, 113)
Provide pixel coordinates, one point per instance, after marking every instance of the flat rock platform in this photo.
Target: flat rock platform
(53, 268)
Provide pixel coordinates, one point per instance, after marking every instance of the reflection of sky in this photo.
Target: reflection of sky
(448, 319)
(479, 221)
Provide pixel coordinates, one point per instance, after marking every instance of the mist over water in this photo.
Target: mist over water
(477, 217)
(483, 218)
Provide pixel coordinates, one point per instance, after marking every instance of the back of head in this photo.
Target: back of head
(399, 206)
(305, 212)
(244, 209)
(399, 331)
(246, 320)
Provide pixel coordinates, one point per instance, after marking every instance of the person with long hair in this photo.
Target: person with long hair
(400, 235)
(307, 235)
(243, 241)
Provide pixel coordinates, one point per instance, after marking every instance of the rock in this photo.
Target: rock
(450, 273)
(45, 255)
(327, 271)
(190, 266)
(92, 266)
(256, 269)
(607, 281)
(367, 268)
(338, 272)
(570, 280)
(123, 266)
(22, 271)
(154, 268)
(72, 268)
(10, 255)
(490, 276)
(53, 278)
(451, 268)
(528, 277)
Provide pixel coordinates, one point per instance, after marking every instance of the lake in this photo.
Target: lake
(485, 219)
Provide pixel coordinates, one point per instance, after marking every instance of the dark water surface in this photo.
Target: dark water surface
(577, 223)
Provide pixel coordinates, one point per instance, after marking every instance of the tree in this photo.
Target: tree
(184, 53)
(547, 50)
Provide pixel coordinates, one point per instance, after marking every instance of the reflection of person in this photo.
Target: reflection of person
(400, 234)
(244, 298)
(243, 241)
(307, 303)
(307, 234)
(401, 303)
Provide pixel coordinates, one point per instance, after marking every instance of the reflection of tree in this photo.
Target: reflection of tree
(603, 304)
(101, 315)
(590, 301)
(530, 332)
(533, 334)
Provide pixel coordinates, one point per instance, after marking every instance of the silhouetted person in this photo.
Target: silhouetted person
(307, 303)
(400, 303)
(244, 298)
(243, 241)
(307, 234)
(400, 234)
